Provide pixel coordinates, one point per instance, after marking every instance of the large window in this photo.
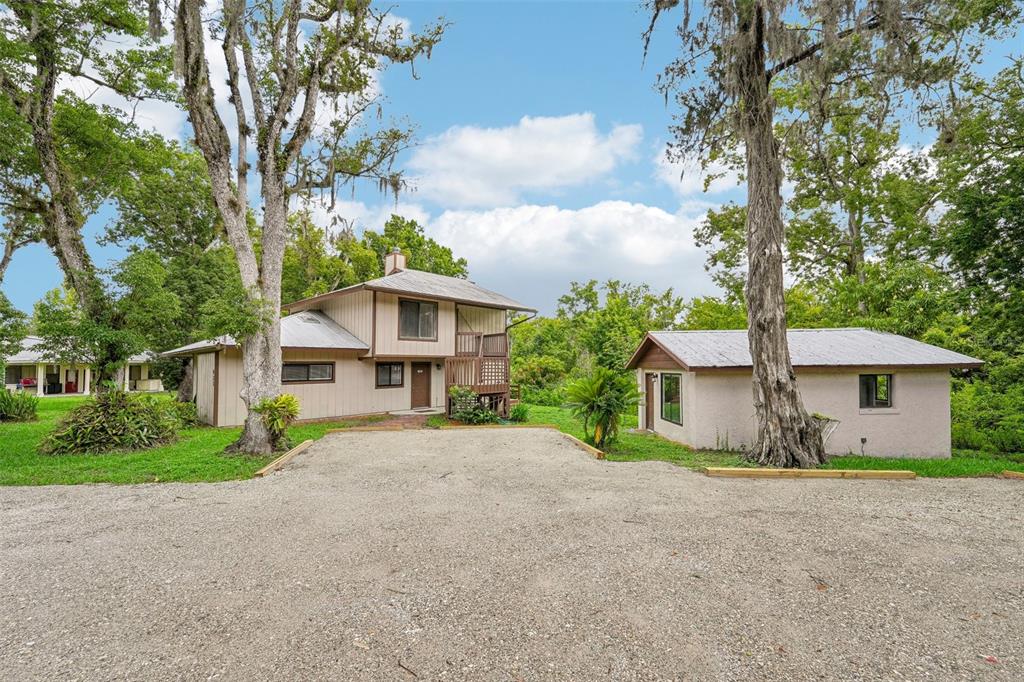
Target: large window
(417, 320)
(671, 398)
(390, 374)
(15, 374)
(307, 372)
(875, 390)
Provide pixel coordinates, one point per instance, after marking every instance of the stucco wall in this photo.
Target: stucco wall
(353, 391)
(683, 433)
(918, 425)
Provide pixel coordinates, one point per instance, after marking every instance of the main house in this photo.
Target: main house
(31, 370)
(887, 395)
(391, 344)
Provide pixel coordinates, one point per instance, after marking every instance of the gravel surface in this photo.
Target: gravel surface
(505, 555)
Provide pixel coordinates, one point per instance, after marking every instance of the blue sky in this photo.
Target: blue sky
(540, 139)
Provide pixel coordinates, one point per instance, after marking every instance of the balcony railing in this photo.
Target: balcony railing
(476, 344)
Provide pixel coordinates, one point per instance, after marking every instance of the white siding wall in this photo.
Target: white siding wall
(483, 320)
(203, 377)
(353, 391)
(918, 424)
(388, 343)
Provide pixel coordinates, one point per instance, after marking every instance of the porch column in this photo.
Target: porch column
(86, 380)
(127, 373)
(40, 378)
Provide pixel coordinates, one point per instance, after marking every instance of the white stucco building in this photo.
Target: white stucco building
(890, 394)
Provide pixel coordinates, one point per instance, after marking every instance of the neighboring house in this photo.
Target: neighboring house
(890, 394)
(392, 344)
(29, 370)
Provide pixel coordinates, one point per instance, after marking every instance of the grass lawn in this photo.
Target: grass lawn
(196, 456)
(636, 447)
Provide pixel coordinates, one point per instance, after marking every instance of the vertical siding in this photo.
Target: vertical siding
(203, 377)
(353, 391)
(354, 312)
(388, 343)
(483, 320)
(231, 410)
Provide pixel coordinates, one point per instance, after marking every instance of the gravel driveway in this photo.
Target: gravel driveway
(505, 555)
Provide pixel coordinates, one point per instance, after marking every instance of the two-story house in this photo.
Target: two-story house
(392, 344)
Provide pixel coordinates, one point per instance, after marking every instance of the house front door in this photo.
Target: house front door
(420, 384)
(649, 397)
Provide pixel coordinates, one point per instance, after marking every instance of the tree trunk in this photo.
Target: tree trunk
(855, 256)
(787, 436)
(187, 383)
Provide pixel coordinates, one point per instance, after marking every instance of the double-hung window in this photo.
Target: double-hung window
(875, 390)
(417, 320)
(302, 372)
(671, 398)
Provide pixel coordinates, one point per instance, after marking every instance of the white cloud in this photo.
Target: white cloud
(533, 252)
(686, 177)
(470, 166)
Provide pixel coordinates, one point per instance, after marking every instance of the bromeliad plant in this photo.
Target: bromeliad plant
(17, 406)
(278, 413)
(600, 400)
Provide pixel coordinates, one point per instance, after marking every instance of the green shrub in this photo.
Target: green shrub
(552, 396)
(17, 406)
(113, 420)
(601, 399)
(277, 414)
(519, 413)
(467, 408)
(967, 437)
(186, 413)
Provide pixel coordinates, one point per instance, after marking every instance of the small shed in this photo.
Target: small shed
(888, 393)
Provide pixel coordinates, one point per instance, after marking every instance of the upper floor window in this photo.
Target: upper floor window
(875, 390)
(417, 320)
(294, 372)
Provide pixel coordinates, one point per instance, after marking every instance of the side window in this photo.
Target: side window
(875, 390)
(295, 372)
(671, 398)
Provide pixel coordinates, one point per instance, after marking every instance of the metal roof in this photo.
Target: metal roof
(306, 329)
(313, 329)
(429, 285)
(846, 347)
(29, 354)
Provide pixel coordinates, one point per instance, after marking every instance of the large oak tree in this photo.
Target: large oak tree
(288, 63)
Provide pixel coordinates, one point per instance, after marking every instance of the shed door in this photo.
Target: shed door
(649, 399)
(420, 384)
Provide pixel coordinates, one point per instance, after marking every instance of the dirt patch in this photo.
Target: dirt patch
(508, 554)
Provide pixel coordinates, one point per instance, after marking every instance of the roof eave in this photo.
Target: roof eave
(649, 337)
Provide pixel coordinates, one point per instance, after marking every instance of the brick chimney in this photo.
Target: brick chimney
(394, 261)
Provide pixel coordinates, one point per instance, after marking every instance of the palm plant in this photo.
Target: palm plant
(601, 399)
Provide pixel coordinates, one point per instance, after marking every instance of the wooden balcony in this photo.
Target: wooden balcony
(481, 365)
